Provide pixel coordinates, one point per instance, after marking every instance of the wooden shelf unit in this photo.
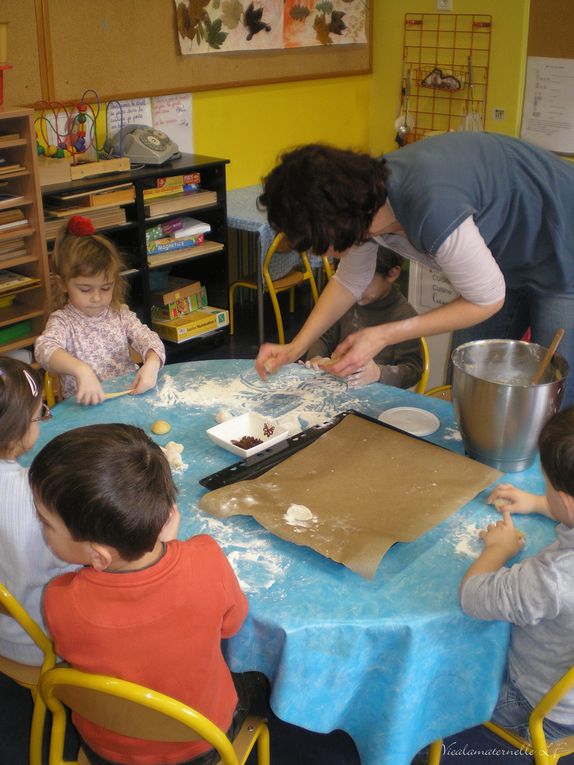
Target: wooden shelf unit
(208, 264)
(31, 304)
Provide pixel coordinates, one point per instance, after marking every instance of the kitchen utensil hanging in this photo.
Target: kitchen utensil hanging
(472, 120)
(405, 121)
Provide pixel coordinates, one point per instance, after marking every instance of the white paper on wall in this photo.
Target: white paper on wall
(135, 111)
(173, 115)
(548, 110)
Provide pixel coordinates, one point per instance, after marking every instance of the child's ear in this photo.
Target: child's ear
(171, 526)
(568, 504)
(100, 556)
(393, 274)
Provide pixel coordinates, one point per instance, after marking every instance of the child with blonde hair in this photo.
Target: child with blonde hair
(88, 339)
(26, 562)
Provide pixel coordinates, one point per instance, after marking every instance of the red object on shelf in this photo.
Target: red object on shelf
(2, 68)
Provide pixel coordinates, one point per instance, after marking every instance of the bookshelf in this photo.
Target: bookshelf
(24, 290)
(125, 222)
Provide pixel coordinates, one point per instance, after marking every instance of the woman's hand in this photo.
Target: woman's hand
(272, 357)
(507, 497)
(357, 350)
(89, 390)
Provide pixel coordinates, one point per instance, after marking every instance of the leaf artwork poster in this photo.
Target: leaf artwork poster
(206, 26)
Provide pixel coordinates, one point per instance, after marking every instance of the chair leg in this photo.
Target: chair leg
(231, 296)
(263, 747)
(435, 751)
(277, 310)
(37, 731)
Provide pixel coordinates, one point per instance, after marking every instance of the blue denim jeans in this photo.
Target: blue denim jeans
(544, 314)
(513, 710)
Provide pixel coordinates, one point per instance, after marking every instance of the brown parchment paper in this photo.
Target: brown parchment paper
(367, 487)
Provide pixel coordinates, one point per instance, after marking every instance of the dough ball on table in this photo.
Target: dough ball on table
(173, 452)
(160, 427)
(222, 416)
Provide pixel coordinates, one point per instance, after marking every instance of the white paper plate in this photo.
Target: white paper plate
(417, 422)
(249, 424)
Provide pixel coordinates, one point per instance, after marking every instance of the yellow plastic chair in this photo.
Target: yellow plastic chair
(24, 674)
(274, 286)
(440, 391)
(52, 389)
(422, 383)
(133, 710)
(544, 753)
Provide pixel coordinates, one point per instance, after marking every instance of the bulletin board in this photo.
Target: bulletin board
(130, 49)
(550, 28)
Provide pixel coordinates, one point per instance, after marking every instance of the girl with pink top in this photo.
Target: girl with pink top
(88, 339)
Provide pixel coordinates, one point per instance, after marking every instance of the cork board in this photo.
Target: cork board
(364, 487)
(27, 81)
(130, 49)
(550, 28)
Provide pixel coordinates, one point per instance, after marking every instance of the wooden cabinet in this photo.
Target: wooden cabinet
(205, 262)
(24, 275)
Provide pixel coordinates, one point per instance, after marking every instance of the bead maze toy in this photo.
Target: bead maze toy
(68, 130)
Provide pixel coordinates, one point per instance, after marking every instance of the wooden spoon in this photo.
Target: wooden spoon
(539, 374)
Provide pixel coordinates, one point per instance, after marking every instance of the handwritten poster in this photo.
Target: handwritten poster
(172, 114)
(135, 111)
(548, 111)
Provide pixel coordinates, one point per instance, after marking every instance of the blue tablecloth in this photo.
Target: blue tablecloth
(392, 661)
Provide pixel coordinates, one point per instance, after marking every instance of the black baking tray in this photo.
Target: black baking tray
(260, 463)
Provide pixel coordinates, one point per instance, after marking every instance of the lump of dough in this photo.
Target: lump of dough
(160, 427)
(298, 513)
(222, 416)
(173, 451)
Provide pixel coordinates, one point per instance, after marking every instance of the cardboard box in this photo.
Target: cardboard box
(177, 288)
(194, 324)
(180, 307)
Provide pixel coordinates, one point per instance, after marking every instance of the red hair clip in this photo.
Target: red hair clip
(80, 226)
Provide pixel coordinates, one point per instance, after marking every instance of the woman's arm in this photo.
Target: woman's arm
(358, 349)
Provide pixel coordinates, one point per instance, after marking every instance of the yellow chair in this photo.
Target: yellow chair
(133, 710)
(52, 389)
(440, 391)
(544, 753)
(24, 674)
(422, 383)
(274, 286)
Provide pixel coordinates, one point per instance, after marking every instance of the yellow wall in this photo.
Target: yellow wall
(251, 126)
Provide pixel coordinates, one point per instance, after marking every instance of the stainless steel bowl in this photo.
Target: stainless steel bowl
(499, 412)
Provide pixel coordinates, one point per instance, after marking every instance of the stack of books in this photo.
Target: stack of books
(9, 167)
(11, 219)
(173, 184)
(121, 193)
(184, 200)
(176, 234)
(10, 281)
(14, 248)
(104, 217)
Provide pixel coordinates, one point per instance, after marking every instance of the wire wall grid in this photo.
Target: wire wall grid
(445, 73)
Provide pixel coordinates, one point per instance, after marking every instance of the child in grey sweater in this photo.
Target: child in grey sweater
(536, 595)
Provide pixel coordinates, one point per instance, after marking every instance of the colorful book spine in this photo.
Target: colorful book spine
(190, 179)
(168, 244)
(164, 229)
(167, 191)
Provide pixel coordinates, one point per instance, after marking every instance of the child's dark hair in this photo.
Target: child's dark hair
(86, 255)
(387, 260)
(321, 196)
(20, 393)
(556, 444)
(110, 484)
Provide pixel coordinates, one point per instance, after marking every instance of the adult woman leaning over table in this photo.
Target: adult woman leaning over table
(494, 213)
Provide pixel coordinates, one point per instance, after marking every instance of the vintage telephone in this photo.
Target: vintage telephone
(142, 144)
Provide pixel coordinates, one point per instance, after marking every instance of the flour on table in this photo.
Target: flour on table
(452, 434)
(467, 541)
(296, 513)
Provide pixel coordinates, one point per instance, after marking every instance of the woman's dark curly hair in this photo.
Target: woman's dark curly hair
(321, 196)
